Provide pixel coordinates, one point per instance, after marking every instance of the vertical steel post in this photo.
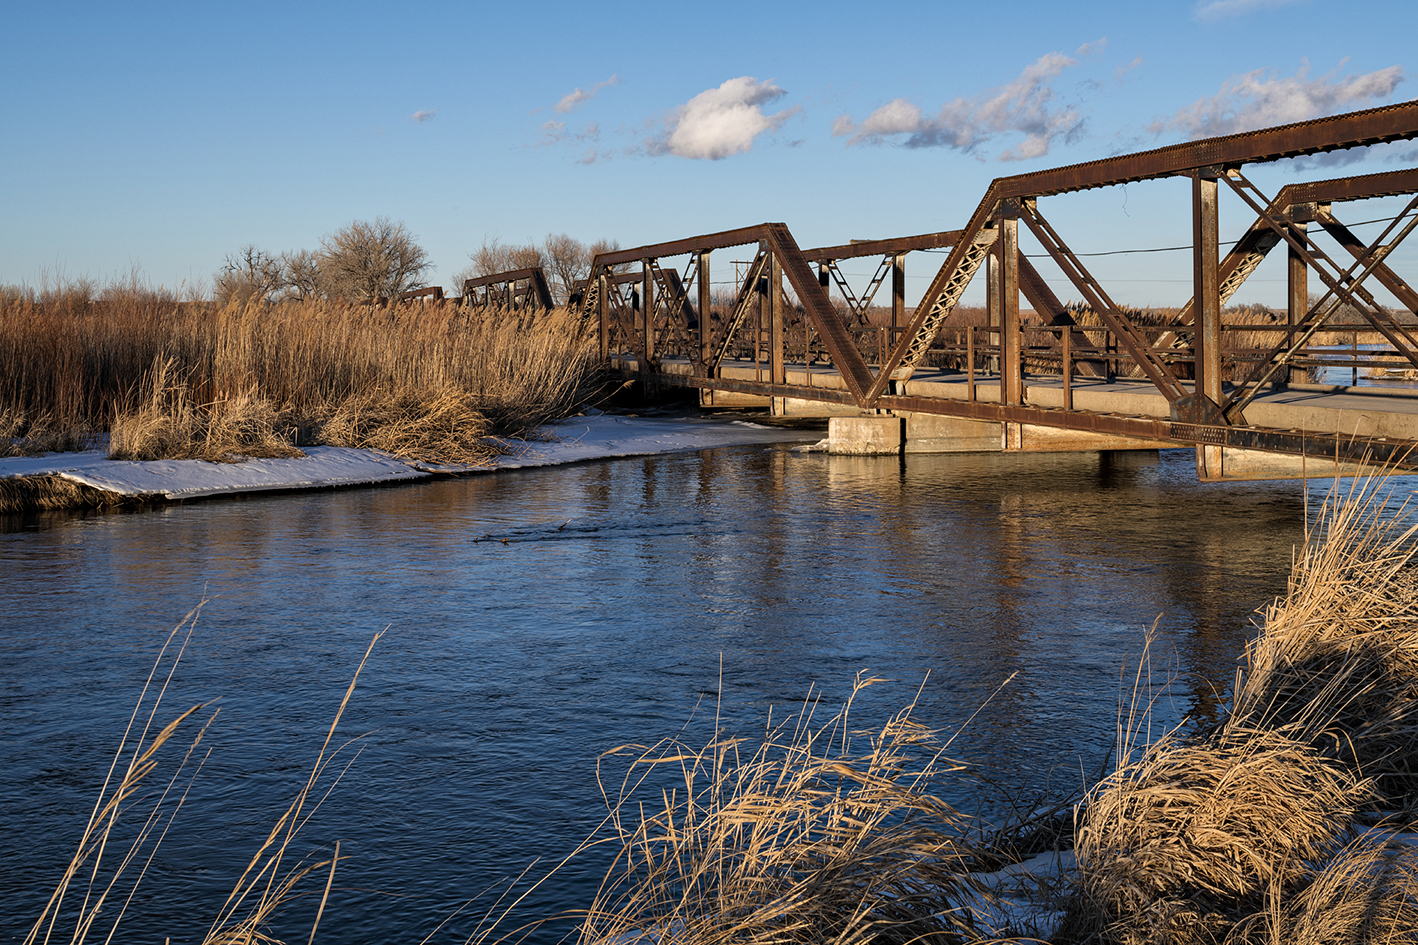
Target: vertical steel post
(777, 368)
(1206, 284)
(898, 297)
(603, 313)
(970, 362)
(992, 306)
(1206, 291)
(1068, 368)
(1011, 360)
(647, 311)
(1298, 294)
(706, 333)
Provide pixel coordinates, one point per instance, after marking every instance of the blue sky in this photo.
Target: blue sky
(163, 136)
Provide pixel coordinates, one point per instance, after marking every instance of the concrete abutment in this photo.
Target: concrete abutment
(929, 433)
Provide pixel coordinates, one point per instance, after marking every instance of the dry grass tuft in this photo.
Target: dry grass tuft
(106, 887)
(268, 883)
(445, 427)
(1368, 895)
(805, 837)
(1183, 843)
(173, 379)
(169, 425)
(22, 435)
(1337, 664)
(53, 492)
(1246, 836)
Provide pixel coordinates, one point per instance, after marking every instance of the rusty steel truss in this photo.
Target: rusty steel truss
(515, 290)
(782, 310)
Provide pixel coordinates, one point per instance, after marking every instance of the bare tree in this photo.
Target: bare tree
(604, 246)
(249, 274)
(490, 258)
(302, 274)
(565, 260)
(365, 262)
(567, 263)
(494, 257)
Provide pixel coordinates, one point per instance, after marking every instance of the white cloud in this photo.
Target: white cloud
(721, 122)
(1024, 106)
(556, 132)
(1259, 100)
(424, 114)
(1392, 152)
(1225, 9)
(577, 97)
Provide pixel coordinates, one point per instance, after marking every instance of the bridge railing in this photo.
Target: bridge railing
(1209, 369)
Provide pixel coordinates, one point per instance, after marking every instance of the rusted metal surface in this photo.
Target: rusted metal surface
(887, 247)
(1399, 454)
(1301, 203)
(516, 288)
(1222, 154)
(779, 311)
(1338, 132)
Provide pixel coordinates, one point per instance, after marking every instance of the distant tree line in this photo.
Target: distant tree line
(362, 262)
(365, 262)
(565, 260)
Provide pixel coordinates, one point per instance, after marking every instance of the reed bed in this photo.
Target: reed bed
(1337, 664)
(181, 379)
(1253, 832)
(806, 835)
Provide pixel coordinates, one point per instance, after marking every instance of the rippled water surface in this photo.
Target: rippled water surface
(623, 594)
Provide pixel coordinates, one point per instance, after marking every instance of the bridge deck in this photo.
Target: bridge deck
(1389, 413)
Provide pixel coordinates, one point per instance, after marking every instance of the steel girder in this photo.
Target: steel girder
(1355, 129)
(991, 230)
(515, 289)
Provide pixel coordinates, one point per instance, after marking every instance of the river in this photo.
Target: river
(625, 594)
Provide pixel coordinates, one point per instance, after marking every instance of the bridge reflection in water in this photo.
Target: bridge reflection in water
(628, 592)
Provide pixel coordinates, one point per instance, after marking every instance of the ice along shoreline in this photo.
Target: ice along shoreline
(577, 439)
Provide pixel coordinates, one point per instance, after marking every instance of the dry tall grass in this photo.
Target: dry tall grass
(136, 758)
(1337, 665)
(801, 837)
(1184, 843)
(105, 888)
(1251, 834)
(191, 379)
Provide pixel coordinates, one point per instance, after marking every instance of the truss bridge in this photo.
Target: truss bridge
(1252, 391)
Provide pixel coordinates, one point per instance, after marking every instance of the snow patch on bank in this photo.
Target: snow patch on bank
(578, 439)
(604, 436)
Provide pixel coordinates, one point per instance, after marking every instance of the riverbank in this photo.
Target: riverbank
(90, 479)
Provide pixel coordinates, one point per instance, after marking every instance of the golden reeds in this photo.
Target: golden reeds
(195, 380)
(1248, 834)
(1182, 844)
(105, 888)
(53, 492)
(1337, 664)
(798, 837)
(88, 874)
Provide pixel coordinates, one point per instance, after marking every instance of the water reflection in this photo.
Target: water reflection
(540, 617)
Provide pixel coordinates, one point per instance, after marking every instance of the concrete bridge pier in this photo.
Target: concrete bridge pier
(1227, 464)
(885, 434)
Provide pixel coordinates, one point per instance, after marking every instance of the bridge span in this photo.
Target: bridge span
(1235, 385)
